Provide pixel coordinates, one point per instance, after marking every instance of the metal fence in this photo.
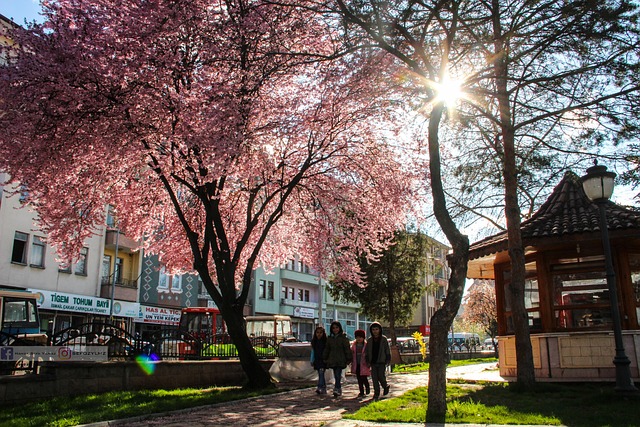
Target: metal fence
(165, 344)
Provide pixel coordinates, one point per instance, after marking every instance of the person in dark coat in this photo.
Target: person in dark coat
(318, 344)
(378, 356)
(337, 355)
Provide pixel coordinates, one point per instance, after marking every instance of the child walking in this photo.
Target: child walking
(378, 355)
(337, 355)
(359, 365)
(318, 344)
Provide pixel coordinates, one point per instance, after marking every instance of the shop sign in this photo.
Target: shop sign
(49, 300)
(126, 309)
(305, 312)
(161, 315)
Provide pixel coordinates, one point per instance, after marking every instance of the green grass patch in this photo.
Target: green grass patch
(226, 350)
(61, 412)
(574, 405)
(423, 367)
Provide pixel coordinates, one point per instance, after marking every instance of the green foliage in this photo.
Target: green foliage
(393, 282)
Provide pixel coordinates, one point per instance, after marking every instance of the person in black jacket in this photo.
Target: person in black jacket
(378, 356)
(318, 344)
(337, 355)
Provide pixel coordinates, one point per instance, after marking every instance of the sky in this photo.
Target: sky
(19, 10)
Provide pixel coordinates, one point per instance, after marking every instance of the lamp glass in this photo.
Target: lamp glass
(598, 187)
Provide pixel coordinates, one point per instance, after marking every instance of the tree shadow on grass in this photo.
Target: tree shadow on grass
(574, 404)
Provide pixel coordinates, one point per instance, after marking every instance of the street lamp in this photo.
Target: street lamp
(598, 185)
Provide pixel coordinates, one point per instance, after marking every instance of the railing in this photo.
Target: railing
(166, 344)
(163, 344)
(128, 283)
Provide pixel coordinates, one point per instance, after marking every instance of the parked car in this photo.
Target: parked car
(463, 341)
(407, 345)
(488, 344)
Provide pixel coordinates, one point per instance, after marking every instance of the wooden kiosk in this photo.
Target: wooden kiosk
(566, 293)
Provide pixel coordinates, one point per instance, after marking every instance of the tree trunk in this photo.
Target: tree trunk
(443, 318)
(392, 317)
(524, 351)
(258, 378)
(231, 311)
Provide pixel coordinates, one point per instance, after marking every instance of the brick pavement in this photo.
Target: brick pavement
(303, 408)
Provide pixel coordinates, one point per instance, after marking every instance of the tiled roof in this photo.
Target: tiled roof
(567, 211)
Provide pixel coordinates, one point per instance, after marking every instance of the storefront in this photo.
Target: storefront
(60, 310)
(153, 319)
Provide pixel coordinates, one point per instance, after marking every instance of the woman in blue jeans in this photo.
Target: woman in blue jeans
(318, 344)
(337, 355)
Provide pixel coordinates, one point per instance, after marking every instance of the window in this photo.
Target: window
(111, 219)
(24, 194)
(634, 265)
(347, 318)
(37, 252)
(263, 289)
(306, 295)
(19, 313)
(270, 286)
(19, 253)
(300, 295)
(106, 269)
(65, 267)
(532, 299)
(167, 283)
(291, 293)
(81, 265)
(119, 263)
(163, 281)
(303, 267)
(581, 300)
(285, 291)
(176, 283)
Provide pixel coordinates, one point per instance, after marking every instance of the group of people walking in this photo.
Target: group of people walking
(367, 357)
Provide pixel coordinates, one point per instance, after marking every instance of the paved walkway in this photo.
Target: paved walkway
(300, 408)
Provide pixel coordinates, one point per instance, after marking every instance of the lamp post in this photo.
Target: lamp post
(114, 279)
(598, 185)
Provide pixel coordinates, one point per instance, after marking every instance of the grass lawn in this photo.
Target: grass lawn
(423, 366)
(61, 412)
(573, 405)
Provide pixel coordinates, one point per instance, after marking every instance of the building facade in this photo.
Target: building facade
(299, 291)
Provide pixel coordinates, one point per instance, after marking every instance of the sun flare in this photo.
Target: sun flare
(449, 91)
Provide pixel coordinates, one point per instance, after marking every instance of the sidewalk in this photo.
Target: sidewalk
(301, 408)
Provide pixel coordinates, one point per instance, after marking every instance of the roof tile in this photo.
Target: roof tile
(567, 211)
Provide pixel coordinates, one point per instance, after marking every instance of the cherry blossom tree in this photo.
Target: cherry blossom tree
(480, 307)
(227, 135)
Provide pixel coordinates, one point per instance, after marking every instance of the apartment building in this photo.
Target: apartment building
(297, 290)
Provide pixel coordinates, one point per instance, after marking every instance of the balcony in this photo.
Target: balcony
(298, 276)
(125, 244)
(125, 290)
